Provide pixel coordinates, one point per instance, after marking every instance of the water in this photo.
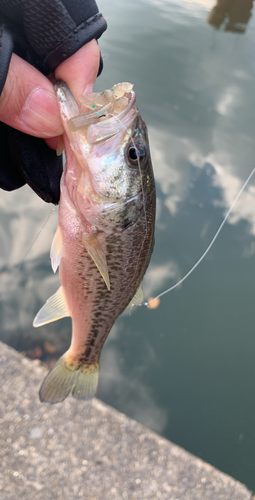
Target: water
(185, 369)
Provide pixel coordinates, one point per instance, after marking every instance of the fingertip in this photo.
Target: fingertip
(80, 70)
(52, 142)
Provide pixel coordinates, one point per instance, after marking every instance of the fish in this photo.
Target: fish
(105, 234)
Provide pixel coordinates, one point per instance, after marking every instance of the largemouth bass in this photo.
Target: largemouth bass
(105, 235)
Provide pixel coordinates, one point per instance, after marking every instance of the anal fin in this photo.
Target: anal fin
(54, 308)
(96, 252)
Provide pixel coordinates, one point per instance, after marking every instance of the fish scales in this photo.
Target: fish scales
(105, 236)
(89, 289)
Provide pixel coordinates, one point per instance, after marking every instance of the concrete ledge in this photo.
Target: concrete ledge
(78, 450)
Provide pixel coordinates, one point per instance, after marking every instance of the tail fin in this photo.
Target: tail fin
(67, 376)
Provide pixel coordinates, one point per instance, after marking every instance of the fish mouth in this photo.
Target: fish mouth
(113, 111)
(107, 120)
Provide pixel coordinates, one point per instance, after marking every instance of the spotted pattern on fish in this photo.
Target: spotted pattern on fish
(106, 221)
(104, 306)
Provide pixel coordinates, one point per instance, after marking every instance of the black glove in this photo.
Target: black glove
(44, 33)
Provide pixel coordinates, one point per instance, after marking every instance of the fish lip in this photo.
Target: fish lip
(68, 104)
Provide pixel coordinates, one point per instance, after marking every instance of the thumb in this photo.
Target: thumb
(28, 102)
(80, 70)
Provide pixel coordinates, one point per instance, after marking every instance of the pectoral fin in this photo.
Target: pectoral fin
(55, 251)
(54, 308)
(137, 299)
(96, 252)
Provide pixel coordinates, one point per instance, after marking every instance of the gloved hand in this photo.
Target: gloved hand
(45, 33)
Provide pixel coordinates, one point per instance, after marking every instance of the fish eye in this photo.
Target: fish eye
(136, 154)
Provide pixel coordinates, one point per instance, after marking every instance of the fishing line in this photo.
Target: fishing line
(37, 236)
(29, 249)
(208, 248)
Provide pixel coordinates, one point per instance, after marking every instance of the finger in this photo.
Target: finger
(28, 101)
(80, 70)
(52, 142)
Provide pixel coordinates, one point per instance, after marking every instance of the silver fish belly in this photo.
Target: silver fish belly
(105, 235)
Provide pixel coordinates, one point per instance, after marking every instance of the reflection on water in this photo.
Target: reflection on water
(232, 14)
(25, 280)
(186, 369)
